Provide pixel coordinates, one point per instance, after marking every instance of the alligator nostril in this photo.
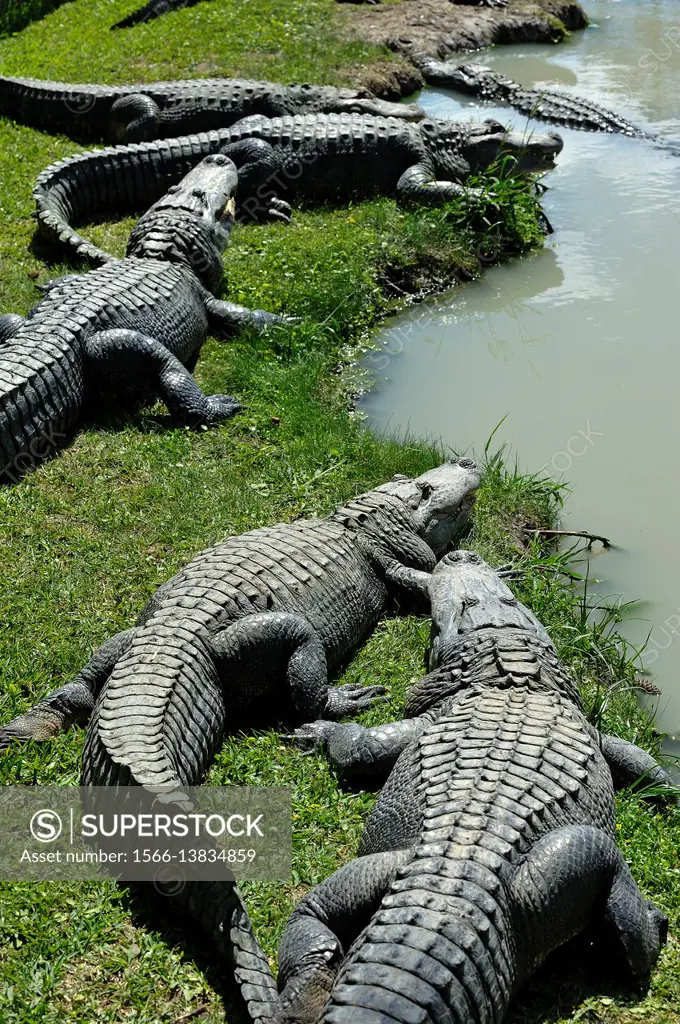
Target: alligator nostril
(466, 463)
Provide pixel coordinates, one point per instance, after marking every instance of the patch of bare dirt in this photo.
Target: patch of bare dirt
(439, 27)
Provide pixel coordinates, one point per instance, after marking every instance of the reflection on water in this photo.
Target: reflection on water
(578, 344)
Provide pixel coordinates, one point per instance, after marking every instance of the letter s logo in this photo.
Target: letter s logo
(45, 826)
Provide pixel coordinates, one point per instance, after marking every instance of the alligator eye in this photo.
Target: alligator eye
(426, 490)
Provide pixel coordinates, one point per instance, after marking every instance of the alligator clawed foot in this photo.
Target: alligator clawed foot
(221, 407)
(312, 736)
(279, 209)
(351, 698)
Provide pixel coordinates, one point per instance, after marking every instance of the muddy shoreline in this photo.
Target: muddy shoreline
(441, 28)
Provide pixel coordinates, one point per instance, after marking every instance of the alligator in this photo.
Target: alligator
(140, 113)
(320, 157)
(560, 108)
(153, 9)
(259, 620)
(492, 842)
(133, 328)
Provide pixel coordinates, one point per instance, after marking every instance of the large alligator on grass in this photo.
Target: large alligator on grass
(130, 329)
(551, 105)
(257, 621)
(492, 842)
(321, 157)
(137, 113)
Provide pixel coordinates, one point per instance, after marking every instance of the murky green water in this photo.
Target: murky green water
(578, 345)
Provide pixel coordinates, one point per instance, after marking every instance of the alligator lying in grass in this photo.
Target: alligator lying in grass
(153, 9)
(258, 620)
(492, 842)
(561, 108)
(322, 157)
(129, 329)
(137, 113)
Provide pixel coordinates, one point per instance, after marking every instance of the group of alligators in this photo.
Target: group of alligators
(492, 842)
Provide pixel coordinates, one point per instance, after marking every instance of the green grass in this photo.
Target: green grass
(88, 537)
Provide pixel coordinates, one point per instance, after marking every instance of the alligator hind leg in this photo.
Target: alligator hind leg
(323, 925)
(630, 764)
(357, 751)
(259, 168)
(134, 118)
(9, 325)
(293, 650)
(70, 703)
(226, 318)
(568, 878)
(130, 354)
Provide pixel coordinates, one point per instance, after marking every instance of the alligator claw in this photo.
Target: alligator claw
(279, 209)
(221, 407)
(265, 320)
(351, 698)
(312, 736)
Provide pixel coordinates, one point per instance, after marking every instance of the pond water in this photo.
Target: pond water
(577, 345)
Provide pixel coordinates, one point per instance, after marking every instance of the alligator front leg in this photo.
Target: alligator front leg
(630, 764)
(295, 652)
(568, 878)
(70, 703)
(227, 318)
(260, 169)
(356, 751)
(407, 580)
(9, 325)
(138, 357)
(323, 926)
(417, 184)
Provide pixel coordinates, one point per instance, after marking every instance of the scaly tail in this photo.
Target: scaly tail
(41, 391)
(157, 723)
(120, 179)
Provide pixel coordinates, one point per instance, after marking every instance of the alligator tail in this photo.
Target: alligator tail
(120, 179)
(158, 723)
(77, 111)
(41, 390)
(437, 941)
(161, 716)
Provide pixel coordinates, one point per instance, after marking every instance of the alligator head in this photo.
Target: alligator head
(475, 79)
(192, 222)
(468, 594)
(487, 142)
(356, 101)
(440, 500)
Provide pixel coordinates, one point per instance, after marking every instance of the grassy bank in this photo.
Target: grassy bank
(88, 537)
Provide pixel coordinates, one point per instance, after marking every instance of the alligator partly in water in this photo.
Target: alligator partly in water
(492, 842)
(320, 157)
(562, 108)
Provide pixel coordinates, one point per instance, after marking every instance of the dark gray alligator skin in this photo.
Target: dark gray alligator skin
(136, 113)
(257, 620)
(492, 842)
(129, 329)
(551, 105)
(315, 156)
(154, 9)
